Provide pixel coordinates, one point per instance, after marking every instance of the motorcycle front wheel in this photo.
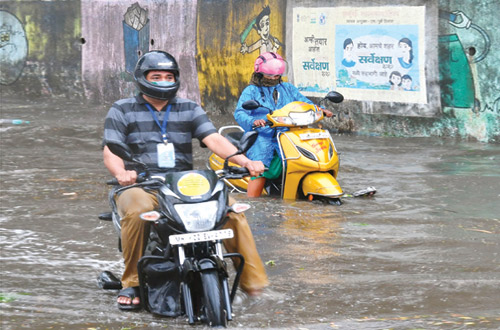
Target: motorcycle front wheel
(213, 302)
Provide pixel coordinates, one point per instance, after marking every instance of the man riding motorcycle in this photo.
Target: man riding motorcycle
(159, 128)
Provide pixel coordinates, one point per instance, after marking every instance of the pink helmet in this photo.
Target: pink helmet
(270, 63)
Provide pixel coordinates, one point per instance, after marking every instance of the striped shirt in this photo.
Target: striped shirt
(129, 121)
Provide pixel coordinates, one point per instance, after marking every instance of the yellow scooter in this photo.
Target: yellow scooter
(310, 159)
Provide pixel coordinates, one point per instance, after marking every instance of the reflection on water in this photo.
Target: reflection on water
(423, 253)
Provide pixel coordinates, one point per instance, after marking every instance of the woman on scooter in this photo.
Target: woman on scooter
(266, 87)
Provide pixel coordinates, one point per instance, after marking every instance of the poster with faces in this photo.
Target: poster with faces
(368, 54)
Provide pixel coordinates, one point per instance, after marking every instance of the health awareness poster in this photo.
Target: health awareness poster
(367, 54)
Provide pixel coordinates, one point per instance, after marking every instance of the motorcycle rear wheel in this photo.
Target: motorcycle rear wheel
(215, 313)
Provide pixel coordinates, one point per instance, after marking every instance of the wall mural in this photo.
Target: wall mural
(230, 36)
(13, 48)
(266, 42)
(456, 74)
(135, 35)
(459, 79)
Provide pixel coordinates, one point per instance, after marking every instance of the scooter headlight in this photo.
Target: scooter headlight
(284, 120)
(300, 118)
(198, 216)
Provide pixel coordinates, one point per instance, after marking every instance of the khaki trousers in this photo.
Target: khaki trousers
(134, 232)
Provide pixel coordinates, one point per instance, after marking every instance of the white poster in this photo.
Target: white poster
(313, 55)
(370, 53)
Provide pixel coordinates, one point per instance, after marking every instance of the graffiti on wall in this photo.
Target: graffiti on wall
(459, 78)
(135, 35)
(13, 48)
(227, 48)
(371, 54)
(456, 72)
(266, 42)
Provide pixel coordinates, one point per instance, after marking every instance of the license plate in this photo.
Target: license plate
(318, 135)
(200, 237)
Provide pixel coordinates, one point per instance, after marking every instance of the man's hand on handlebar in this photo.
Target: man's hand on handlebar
(126, 178)
(255, 167)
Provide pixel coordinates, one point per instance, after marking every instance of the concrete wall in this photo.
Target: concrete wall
(86, 49)
(40, 51)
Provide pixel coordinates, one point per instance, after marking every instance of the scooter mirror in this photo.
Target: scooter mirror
(250, 105)
(334, 97)
(247, 140)
(121, 150)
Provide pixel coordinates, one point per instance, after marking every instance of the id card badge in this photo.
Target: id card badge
(166, 155)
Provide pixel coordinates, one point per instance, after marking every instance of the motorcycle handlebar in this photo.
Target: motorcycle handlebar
(237, 170)
(114, 181)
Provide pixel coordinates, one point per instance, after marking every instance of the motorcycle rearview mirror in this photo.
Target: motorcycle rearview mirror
(124, 152)
(250, 105)
(121, 150)
(334, 97)
(247, 140)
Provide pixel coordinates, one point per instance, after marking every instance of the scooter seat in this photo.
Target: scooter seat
(234, 137)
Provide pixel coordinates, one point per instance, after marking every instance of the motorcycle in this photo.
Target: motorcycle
(309, 157)
(183, 270)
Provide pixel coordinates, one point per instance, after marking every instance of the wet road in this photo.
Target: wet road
(422, 254)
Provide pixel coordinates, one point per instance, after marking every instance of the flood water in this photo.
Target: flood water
(422, 254)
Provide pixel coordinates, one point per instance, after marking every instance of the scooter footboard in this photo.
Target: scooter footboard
(321, 184)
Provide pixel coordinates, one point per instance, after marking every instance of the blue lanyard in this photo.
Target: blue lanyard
(163, 125)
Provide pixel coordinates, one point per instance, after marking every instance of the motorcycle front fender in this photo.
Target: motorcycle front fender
(321, 184)
(212, 263)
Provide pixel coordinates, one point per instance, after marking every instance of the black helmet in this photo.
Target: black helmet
(156, 60)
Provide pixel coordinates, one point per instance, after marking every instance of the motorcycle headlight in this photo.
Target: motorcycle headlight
(198, 216)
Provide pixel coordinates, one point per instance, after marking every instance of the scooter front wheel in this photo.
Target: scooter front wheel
(334, 201)
(213, 302)
(331, 201)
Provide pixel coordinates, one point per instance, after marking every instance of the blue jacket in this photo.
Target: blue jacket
(266, 142)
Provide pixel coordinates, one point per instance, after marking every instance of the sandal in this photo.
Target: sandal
(131, 293)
